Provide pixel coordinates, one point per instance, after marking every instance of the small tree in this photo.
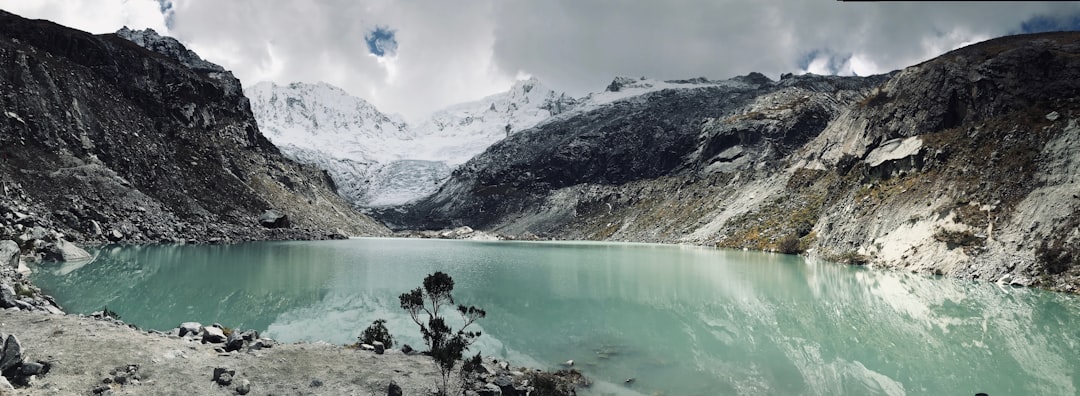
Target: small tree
(377, 332)
(444, 345)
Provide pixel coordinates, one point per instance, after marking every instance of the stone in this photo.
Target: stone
(261, 344)
(65, 251)
(31, 368)
(213, 334)
(223, 376)
(1053, 116)
(234, 342)
(406, 349)
(38, 233)
(8, 297)
(115, 235)
(243, 387)
(250, 335)
(12, 355)
(193, 328)
(9, 254)
(367, 347)
(393, 389)
(505, 384)
(1005, 279)
(5, 385)
(379, 347)
(569, 363)
(272, 219)
(490, 390)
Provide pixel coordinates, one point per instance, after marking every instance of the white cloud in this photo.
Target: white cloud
(103, 16)
(452, 51)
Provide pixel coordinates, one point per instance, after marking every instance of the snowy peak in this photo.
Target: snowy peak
(320, 116)
(459, 132)
(627, 82)
(523, 106)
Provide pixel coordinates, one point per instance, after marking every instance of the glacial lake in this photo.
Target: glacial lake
(679, 320)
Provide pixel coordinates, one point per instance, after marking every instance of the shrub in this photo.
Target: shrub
(954, 238)
(852, 258)
(445, 346)
(789, 245)
(377, 332)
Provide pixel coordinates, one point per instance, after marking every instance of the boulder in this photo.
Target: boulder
(490, 390)
(406, 349)
(5, 385)
(31, 368)
(39, 233)
(223, 376)
(9, 254)
(193, 328)
(367, 347)
(213, 334)
(505, 384)
(234, 342)
(272, 219)
(261, 343)
(65, 251)
(12, 355)
(243, 387)
(378, 346)
(250, 335)
(393, 389)
(8, 298)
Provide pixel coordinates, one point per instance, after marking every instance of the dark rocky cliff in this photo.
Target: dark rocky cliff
(659, 134)
(102, 139)
(964, 165)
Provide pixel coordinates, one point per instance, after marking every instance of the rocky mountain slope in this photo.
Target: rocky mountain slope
(377, 159)
(103, 139)
(965, 165)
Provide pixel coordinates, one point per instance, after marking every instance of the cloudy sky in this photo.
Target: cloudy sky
(413, 57)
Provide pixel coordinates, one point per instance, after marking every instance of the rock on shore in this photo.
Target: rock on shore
(91, 356)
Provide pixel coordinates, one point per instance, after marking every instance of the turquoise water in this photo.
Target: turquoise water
(680, 320)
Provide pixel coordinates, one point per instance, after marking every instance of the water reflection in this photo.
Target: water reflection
(680, 320)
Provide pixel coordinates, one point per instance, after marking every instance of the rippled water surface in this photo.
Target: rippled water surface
(680, 320)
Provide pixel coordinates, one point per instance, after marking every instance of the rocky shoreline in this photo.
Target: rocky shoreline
(44, 351)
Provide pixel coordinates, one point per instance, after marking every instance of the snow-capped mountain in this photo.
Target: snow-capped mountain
(459, 132)
(310, 116)
(378, 159)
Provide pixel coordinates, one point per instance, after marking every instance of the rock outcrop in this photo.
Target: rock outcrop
(132, 137)
(965, 165)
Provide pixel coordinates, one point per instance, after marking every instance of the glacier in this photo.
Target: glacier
(379, 160)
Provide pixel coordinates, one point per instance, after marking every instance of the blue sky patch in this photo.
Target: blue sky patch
(381, 41)
(1046, 23)
(167, 11)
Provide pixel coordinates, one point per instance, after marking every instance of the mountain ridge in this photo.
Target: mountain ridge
(107, 141)
(368, 152)
(963, 165)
